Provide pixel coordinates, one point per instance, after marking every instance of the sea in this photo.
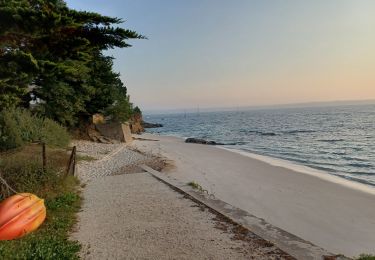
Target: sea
(337, 140)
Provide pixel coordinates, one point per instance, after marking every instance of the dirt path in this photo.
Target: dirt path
(134, 216)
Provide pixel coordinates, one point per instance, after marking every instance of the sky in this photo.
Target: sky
(221, 53)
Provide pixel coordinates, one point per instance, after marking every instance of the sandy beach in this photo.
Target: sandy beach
(325, 210)
(129, 214)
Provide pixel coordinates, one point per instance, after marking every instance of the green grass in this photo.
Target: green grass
(22, 170)
(87, 158)
(18, 127)
(197, 186)
(366, 257)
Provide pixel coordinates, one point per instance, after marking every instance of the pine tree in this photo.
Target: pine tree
(58, 51)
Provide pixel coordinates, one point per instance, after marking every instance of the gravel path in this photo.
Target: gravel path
(134, 216)
(109, 159)
(95, 150)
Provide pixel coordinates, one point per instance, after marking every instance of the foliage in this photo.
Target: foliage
(366, 257)
(16, 70)
(197, 186)
(22, 170)
(58, 51)
(53, 134)
(121, 109)
(19, 126)
(137, 111)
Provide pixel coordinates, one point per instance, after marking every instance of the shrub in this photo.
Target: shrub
(19, 126)
(54, 134)
(366, 257)
(10, 134)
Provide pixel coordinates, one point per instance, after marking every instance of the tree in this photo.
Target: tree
(66, 65)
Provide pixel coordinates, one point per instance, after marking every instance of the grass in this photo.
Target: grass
(366, 257)
(87, 158)
(22, 170)
(196, 186)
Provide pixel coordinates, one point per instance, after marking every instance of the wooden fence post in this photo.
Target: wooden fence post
(44, 157)
(72, 161)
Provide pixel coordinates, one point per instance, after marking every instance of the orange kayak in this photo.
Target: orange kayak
(20, 214)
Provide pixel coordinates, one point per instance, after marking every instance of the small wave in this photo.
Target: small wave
(268, 134)
(349, 158)
(258, 132)
(359, 165)
(361, 173)
(236, 143)
(339, 153)
(331, 140)
(298, 131)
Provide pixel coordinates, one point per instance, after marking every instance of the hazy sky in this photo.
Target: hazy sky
(218, 53)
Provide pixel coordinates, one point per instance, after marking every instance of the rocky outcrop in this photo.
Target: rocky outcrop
(136, 124)
(201, 141)
(150, 125)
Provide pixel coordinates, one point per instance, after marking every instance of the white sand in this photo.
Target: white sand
(327, 212)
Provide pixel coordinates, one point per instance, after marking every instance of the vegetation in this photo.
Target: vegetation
(23, 171)
(197, 186)
(58, 53)
(19, 126)
(53, 74)
(366, 257)
(86, 158)
(137, 110)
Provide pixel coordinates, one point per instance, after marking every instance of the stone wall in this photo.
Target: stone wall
(116, 131)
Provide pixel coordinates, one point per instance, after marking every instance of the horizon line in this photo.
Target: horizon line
(281, 105)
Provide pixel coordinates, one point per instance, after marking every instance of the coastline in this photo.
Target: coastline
(305, 170)
(329, 211)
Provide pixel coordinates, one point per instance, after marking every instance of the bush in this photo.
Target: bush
(10, 133)
(19, 126)
(366, 257)
(54, 134)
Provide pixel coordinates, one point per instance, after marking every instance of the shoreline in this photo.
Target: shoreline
(290, 165)
(329, 211)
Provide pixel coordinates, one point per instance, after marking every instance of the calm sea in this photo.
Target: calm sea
(337, 140)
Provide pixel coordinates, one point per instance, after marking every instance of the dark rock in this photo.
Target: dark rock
(151, 125)
(268, 134)
(201, 141)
